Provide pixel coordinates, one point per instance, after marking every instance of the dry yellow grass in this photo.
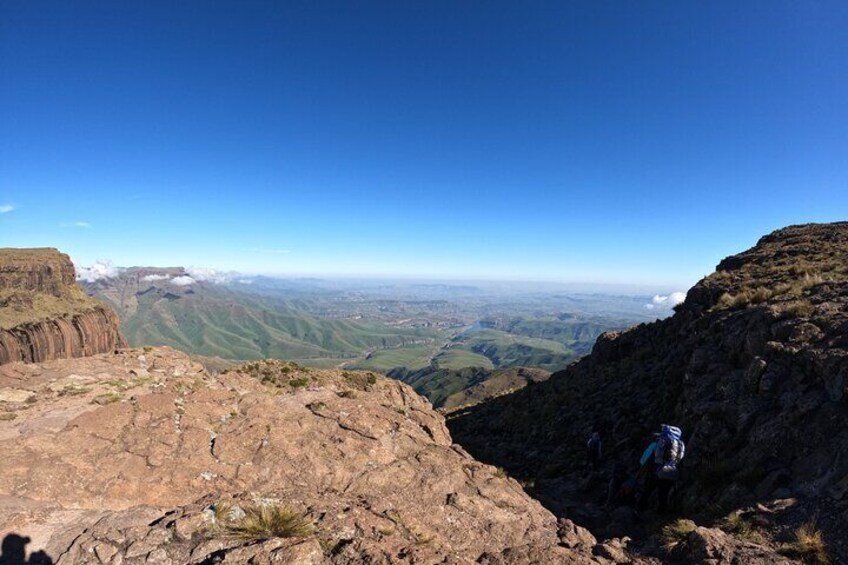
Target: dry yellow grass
(808, 544)
(271, 521)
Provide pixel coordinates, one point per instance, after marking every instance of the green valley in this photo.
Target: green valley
(442, 339)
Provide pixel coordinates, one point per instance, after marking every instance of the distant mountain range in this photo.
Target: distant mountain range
(440, 338)
(168, 307)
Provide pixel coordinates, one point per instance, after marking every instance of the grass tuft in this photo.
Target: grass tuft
(808, 544)
(739, 527)
(676, 534)
(263, 522)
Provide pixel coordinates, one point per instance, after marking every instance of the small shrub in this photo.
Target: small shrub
(808, 544)
(801, 308)
(120, 384)
(6, 416)
(346, 394)
(298, 383)
(271, 521)
(676, 534)
(316, 406)
(760, 295)
(360, 381)
(147, 349)
(740, 528)
(74, 390)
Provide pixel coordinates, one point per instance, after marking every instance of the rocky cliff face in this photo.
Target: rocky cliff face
(36, 270)
(43, 315)
(753, 367)
(142, 457)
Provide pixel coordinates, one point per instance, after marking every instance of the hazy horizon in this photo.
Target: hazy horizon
(603, 142)
(107, 269)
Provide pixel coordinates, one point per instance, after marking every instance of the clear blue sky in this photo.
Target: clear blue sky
(635, 142)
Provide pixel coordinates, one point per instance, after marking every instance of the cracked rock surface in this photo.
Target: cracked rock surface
(123, 458)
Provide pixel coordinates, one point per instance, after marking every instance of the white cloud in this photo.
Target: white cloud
(183, 280)
(5, 208)
(212, 275)
(669, 301)
(83, 225)
(155, 277)
(103, 269)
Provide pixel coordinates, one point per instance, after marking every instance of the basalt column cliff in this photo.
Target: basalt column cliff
(44, 315)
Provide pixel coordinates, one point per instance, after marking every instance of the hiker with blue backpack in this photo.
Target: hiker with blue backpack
(664, 460)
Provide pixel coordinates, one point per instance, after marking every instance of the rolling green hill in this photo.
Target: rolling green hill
(505, 350)
(212, 320)
(452, 345)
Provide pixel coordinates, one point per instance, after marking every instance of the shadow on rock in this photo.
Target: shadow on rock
(14, 552)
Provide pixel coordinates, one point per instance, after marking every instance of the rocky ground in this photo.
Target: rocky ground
(142, 456)
(753, 366)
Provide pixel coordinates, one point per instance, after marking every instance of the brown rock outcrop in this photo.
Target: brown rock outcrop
(74, 335)
(42, 270)
(130, 457)
(44, 315)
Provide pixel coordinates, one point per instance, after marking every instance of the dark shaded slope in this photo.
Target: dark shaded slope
(753, 366)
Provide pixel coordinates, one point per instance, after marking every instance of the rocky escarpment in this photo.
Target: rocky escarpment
(143, 457)
(44, 315)
(753, 366)
(36, 270)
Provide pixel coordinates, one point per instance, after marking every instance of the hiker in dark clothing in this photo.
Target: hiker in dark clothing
(593, 450)
(662, 468)
(622, 487)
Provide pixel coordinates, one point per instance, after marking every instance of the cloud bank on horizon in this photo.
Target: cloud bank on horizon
(182, 280)
(103, 269)
(106, 269)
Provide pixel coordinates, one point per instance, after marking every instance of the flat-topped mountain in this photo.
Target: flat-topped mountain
(753, 367)
(44, 314)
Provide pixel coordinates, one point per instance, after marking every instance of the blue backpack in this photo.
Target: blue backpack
(669, 452)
